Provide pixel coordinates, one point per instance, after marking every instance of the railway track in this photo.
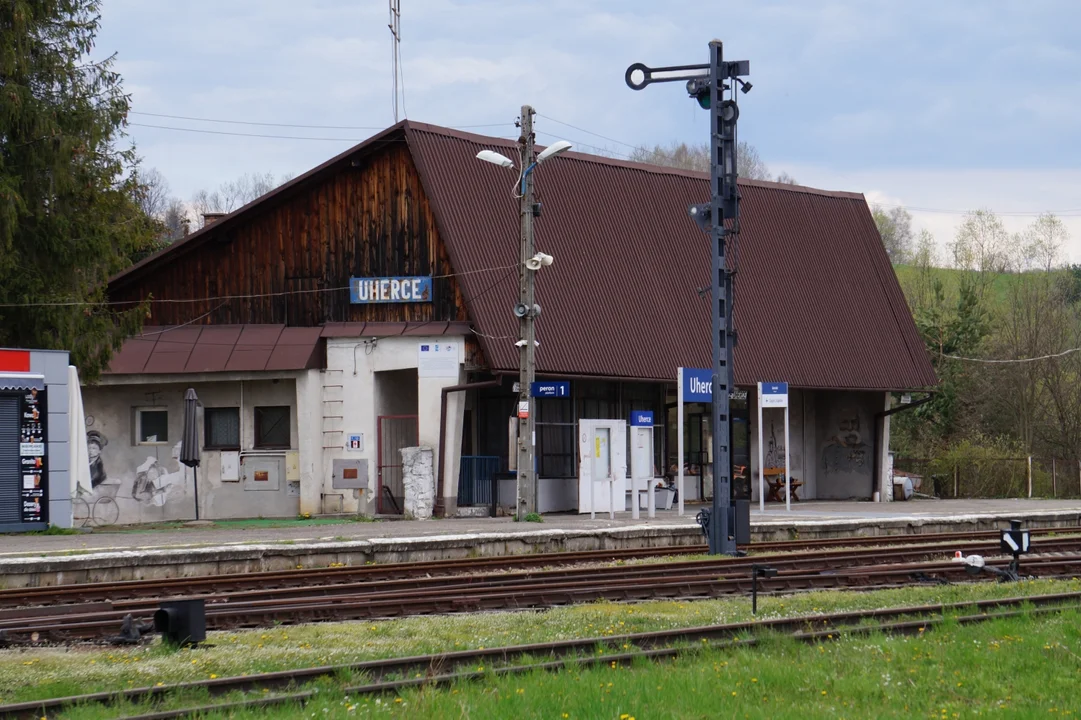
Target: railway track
(308, 579)
(447, 668)
(830, 569)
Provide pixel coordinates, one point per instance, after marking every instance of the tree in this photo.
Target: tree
(895, 228)
(234, 194)
(152, 193)
(1043, 242)
(982, 244)
(696, 157)
(175, 219)
(69, 218)
(949, 330)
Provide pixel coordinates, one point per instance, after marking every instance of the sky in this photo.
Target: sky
(941, 107)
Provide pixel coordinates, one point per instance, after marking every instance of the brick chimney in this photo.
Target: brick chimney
(210, 217)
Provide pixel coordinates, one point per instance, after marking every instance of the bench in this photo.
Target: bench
(775, 480)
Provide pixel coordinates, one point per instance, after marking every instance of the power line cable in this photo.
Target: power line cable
(291, 125)
(581, 143)
(239, 134)
(1072, 212)
(1014, 361)
(252, 296)
(588, 132)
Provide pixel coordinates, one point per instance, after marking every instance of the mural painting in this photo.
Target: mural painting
(119, 495)
(95, 441)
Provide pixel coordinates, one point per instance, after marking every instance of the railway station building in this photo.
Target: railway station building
(332, 322)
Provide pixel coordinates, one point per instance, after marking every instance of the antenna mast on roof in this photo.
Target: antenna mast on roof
(395, 38)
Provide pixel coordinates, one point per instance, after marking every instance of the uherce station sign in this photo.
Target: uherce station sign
(363, 291)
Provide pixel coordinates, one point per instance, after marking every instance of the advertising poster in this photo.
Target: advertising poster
(32, 456)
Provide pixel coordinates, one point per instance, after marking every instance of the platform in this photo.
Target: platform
(139, 553)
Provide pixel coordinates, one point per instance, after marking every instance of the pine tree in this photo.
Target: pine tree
(69, 219)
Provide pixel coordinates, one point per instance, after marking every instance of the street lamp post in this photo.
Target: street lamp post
(526, 310)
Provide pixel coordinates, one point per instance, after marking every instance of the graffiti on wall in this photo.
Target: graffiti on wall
(845, 450)
(775, 454)
(120, 494)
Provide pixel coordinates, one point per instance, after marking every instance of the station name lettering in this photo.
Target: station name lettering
(698, 386)
(389, 290)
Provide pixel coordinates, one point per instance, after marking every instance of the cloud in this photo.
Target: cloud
(939, 198)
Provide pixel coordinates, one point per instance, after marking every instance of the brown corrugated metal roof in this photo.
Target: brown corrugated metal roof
(220, 348)
(817, 302)
(387, 329)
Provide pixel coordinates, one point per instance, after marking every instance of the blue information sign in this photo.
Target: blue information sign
(363, 291)
(550, 389)
(642, 418)
(697, 385)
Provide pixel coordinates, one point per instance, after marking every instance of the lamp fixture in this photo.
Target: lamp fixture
(495, 158)
(559, 146)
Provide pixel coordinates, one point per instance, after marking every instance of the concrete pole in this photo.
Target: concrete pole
(679, 439)
(1030, 476)
(527, 479)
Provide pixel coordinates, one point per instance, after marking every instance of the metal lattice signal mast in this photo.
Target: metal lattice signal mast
(714, 87)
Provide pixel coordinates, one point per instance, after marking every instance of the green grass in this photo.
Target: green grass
(51, 672)
(997, 294)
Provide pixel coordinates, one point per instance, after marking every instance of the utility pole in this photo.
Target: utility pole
(713, 85)
(527, 477)
(526, 309)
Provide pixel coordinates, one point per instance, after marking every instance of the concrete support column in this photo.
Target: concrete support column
(885, 485)
(310, 440)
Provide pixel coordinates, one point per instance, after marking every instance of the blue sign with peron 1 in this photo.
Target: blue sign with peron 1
(550, 389)
(363, 291)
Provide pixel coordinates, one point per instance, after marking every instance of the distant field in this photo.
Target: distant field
(909, 277)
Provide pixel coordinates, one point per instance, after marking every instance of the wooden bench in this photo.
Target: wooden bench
(775, 480)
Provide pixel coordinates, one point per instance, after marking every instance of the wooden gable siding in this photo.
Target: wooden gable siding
(293, 260)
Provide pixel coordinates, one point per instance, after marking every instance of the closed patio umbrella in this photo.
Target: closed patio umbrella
(189, 441)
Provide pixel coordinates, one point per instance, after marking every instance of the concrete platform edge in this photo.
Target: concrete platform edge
(38, 570)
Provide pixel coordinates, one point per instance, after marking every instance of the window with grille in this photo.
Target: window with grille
(222, 428)
(272, 427)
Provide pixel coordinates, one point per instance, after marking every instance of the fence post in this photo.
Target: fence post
(955, 480)
(1030, 476)
(1054, 479)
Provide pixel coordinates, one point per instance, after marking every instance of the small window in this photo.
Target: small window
(151, 426)
(222, 426)
(272, 427)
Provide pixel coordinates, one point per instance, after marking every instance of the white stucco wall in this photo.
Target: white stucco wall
(110, 413)
(379, 377)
